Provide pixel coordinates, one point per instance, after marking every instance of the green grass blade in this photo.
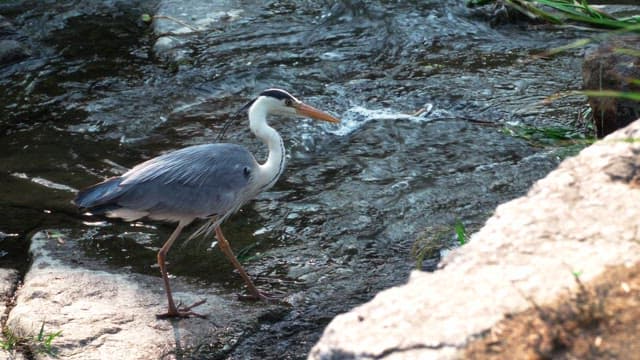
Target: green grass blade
(582, 9)
(41, 333)
(576, 11)
(574, 45)
(461, 232)
(635, 96)
(624, 51)
(612, 24)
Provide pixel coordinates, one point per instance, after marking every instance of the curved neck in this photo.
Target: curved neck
(270, 171)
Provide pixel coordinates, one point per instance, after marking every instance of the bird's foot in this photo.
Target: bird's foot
(182, 311)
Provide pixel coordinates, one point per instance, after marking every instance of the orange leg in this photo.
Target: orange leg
(226, 249)
(173, 311)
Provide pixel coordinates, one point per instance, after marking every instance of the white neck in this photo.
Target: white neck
(270, 171)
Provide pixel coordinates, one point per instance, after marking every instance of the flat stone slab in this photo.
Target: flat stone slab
(111, 315)
(580, 219)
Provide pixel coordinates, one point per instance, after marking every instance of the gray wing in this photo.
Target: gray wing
(197, 181)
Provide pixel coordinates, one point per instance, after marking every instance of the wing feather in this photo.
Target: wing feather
(196, 181)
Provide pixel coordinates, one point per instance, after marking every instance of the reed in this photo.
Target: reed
(565, 12)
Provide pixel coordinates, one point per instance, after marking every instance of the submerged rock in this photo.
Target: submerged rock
(608, 67)
(11, 49)
(177, 22)
(577, 220)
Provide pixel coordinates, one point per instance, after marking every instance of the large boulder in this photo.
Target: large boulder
(580, 219)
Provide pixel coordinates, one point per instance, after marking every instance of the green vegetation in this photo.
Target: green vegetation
(42, 343)
(635, 96)
(248, 253)
(10, 341)
(427, 246)
(564, 136)
(432, 240)
(43, 340)
(577, 274)
(461, 232)
(563, 11)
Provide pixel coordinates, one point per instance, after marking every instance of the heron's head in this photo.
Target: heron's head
(280, 102)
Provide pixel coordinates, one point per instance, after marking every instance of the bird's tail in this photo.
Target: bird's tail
(100, 197)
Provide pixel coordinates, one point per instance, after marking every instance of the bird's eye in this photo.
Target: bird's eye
(288, 102)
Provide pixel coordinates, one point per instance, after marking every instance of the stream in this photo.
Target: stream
(424, 89)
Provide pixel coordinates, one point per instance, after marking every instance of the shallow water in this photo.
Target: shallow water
(340, 225)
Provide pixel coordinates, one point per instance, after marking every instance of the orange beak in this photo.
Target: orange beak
(309, 111)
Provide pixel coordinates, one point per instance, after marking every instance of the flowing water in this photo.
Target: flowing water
(93, 99)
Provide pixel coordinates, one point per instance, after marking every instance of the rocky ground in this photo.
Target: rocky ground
(104, 315)
(560, 240)
(598, 320)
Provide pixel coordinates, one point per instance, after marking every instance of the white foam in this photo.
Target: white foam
(44, 182)
(357, 116)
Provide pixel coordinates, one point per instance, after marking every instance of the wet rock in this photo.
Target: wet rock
(606, 68)
(178, 22)
(112, 315)
(6, 27)
(579, 219)
(12, 51)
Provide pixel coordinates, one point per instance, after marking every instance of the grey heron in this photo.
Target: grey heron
(209, 181)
